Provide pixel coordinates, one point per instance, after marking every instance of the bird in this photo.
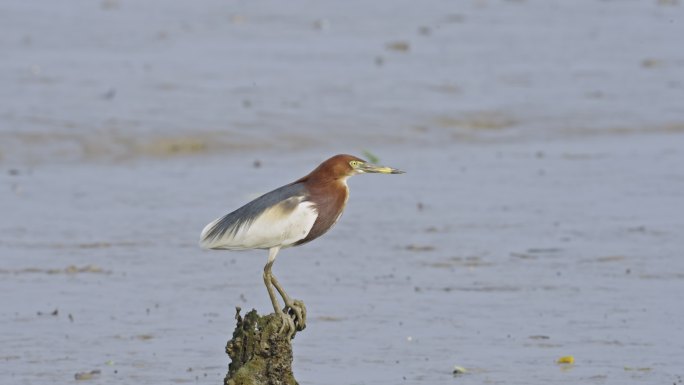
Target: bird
(291, 215)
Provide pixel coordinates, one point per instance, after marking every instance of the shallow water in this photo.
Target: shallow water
(540, 215)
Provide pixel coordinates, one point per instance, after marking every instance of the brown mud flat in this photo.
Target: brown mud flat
(488, 246)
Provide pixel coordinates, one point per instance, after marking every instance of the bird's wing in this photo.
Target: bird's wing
(279, 218)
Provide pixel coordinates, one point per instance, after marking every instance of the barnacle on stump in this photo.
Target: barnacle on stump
(260, 354)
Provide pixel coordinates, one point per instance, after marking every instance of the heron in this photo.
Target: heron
(288, 216)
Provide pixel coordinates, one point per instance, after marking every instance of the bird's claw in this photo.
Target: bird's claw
(297, 310)
(288, 325)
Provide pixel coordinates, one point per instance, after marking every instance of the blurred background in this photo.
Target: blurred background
(540, 215)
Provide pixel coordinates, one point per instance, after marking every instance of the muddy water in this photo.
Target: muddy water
(540, 215)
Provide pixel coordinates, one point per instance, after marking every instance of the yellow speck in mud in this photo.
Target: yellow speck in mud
(566, 360)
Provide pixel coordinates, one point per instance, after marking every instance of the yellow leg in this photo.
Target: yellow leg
(288, 325)
(297, 306)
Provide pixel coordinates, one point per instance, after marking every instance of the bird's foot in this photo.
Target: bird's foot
(288, 326)
(297, 310)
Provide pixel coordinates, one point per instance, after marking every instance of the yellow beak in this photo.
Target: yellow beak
(373, 168)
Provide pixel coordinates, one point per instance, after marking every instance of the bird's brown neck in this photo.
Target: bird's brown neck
(329, 198)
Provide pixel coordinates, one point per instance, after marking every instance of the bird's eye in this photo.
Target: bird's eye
(354, 163)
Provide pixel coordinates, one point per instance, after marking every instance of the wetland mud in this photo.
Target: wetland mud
(540, 216)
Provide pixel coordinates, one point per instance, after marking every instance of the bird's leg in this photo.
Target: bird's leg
(288, 325)
(297, 306)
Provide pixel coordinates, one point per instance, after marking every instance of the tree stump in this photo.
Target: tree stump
(259, 354)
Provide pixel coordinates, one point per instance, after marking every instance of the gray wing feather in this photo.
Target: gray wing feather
(245, 215)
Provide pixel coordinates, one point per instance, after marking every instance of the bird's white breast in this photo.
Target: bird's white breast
(275, 226)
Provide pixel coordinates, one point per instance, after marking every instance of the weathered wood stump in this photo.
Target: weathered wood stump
(259, 354)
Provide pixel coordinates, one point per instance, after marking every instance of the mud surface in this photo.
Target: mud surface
(540, 216)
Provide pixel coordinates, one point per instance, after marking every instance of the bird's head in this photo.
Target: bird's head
(344, 166)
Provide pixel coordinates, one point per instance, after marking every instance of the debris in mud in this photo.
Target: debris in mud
(94, 245)
(530, 253)
(611, 258)
(163, 147)
(144, 337)
(469, 262)
(321, 24)
(53, 313)
(413, 247)
(85, 269)
(523, 256)
(71, 269)
(82, 376)
(459, 370)
(482, 120)
(642, 369)
(479, 289)
(109, 95)
(398, 46)
(539, 337)
(544, 250)
(651, 63)
(425, 31)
